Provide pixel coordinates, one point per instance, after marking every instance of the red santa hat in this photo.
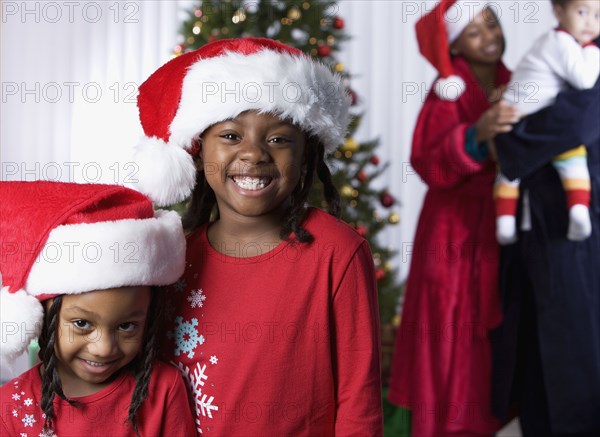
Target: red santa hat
(218, 82)
(66, 238)
(436, 31)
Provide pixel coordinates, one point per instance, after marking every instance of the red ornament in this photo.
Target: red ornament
(353, 97)
(374, 160)
(338, 23)
(379, 274)
(387, 200)
(323, 50)
(362, 231)
(362, 176)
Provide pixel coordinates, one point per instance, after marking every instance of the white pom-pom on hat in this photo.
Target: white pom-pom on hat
(450, 88)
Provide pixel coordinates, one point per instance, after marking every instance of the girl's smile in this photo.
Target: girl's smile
(99, 333)
(253, 163)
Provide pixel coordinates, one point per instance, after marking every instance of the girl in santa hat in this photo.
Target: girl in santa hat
(275, 319)
(442, 360)
(77, 265)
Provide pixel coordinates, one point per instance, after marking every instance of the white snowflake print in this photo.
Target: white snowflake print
(202, 402)
(196, 298)
(15, 413)
(22, 435)
(180, 285)
(186, 337)
(28, 420)
(28, 401)
(214, 359)
(16, 397)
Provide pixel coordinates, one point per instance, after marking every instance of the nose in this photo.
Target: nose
(102, 344)
(253, 150)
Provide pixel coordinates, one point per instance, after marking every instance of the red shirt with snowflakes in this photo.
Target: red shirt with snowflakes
(284, 341)
(166, 410)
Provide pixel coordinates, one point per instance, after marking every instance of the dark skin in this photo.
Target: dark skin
(482, 44)
(253, 163)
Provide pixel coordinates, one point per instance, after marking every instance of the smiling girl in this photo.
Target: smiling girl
(276, 317)
(89, 254)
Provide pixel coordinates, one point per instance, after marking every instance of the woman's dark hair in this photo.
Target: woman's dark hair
(141, 366)
(202, 206)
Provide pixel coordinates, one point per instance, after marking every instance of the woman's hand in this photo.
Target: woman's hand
(498, 119)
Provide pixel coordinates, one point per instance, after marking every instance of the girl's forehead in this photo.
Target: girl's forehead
(257, 118)
(108, 302)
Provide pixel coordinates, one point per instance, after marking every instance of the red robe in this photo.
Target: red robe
(442, 361)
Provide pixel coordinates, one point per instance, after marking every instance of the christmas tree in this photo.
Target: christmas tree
(314, 28)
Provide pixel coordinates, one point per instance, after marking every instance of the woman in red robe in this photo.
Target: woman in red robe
(442, 361)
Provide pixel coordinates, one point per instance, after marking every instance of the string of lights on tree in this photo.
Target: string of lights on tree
(315, 28)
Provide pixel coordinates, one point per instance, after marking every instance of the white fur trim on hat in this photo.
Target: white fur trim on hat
(165, 173)
(21, 317)
(294, 87)
(450, 88)
(95, 256)
(460, 14)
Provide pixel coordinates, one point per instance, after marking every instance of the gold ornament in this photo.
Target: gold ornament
(306, 6)
(294, 13)
(339, 67)
(351, 145)
(394, 218)
(346, 191)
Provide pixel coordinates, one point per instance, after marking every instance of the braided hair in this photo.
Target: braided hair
(141, 366)
(202, 206)
(51, 385)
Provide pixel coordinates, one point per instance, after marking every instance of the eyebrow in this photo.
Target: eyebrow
(75, 308)
(276, 123)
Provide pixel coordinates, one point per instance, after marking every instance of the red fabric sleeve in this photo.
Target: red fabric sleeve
(438, 150)
(356, 353)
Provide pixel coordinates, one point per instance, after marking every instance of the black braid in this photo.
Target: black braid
(315, 160)
(50, 379)
(201, 205)
(142, 366)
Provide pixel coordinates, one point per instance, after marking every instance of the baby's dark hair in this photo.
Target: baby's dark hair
(141, 366)
(202, 207)
(561, 3)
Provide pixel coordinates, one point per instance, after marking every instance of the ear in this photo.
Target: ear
(454, 49)
(196, 152)
(559, 11)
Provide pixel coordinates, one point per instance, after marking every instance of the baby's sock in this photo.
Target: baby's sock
(506, 229)
(580, 225)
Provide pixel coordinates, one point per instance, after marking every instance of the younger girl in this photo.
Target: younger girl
(275, 319)
(89, 254)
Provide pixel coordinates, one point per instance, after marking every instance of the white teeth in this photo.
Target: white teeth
(95, 364)
(251, 183)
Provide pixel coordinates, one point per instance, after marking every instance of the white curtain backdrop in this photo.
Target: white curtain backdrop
(70, 71)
